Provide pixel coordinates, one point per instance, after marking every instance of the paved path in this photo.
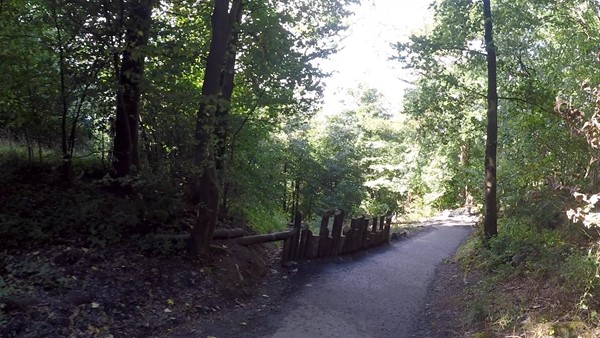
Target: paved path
(378, 295)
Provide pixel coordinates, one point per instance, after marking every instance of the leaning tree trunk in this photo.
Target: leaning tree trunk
(206, 187)
(222, 115)
(490, 224)
(131, 73)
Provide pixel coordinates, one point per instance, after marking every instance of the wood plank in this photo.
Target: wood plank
(276, 236)
(324, 242)
(348, 238)
(218, 234)
(388, 224)
(336, 232)
(304, 234)
(295, 239)
(312, 245)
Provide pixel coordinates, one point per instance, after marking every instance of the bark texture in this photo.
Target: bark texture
(490, 223)
(206, 188)
(222, 115)
(130, 75)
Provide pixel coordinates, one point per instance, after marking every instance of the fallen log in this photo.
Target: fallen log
(228, 233)
(276, 236)
(219, 234)
(238, 235)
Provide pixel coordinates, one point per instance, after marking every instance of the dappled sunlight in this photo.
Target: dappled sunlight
(184, 134)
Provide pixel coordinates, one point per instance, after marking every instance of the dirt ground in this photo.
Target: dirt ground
(442, 316)
(70, 290)
(63, 291)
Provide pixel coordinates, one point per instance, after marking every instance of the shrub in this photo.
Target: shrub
(520, 244)
(265, 220)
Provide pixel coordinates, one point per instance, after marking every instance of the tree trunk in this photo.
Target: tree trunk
(206, 188)
(284, 206)
(66, 158)
(227, 85)
(131, 74)
(295, 198)
(490, 224)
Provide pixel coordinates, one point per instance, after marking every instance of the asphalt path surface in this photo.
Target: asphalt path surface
(378, 295)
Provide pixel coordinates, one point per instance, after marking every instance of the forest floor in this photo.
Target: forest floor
(71, 263)
(81, 291)
(68, 269)
(75, 262)
(62, 290)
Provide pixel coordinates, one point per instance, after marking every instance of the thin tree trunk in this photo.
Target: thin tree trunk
(227, 181)
(222, 115)
(29, 147)
(285, 184)
(295, 198)
(82, 99)
(40, 154)
(66, 164)
(131, 74)
(490, 224)
(150, 155)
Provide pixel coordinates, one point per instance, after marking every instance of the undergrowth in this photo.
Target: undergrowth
(536, 281)
(94, 210)
(264, 220)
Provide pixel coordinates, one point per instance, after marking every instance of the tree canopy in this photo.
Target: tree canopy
(86, 78)
(121, 119)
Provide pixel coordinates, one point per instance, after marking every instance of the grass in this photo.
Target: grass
(265, 220)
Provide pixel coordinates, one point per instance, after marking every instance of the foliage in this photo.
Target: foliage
(37, 208)
(448, 98)
(548, 275)
(280, 154)
(547, 95)
(60, 102)
(580, 272)
(264, 220)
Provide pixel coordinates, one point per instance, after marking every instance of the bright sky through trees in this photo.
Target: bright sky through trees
(366, 51)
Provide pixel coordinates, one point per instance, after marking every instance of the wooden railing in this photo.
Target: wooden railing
(300, 242)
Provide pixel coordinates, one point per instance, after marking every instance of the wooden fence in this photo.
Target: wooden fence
(300, 242)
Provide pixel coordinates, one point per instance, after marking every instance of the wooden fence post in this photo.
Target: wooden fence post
(362, 238)
(304, 236)
(324, 242)
(350, 235)
(336, 233)
(357, 237)
(302, 243)
(285, 251)
(295, 239)
(375, 234)
(345, 239)
(381, 227)
(359, 233)
(290, 245)
(312, 245)
(388, 224)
